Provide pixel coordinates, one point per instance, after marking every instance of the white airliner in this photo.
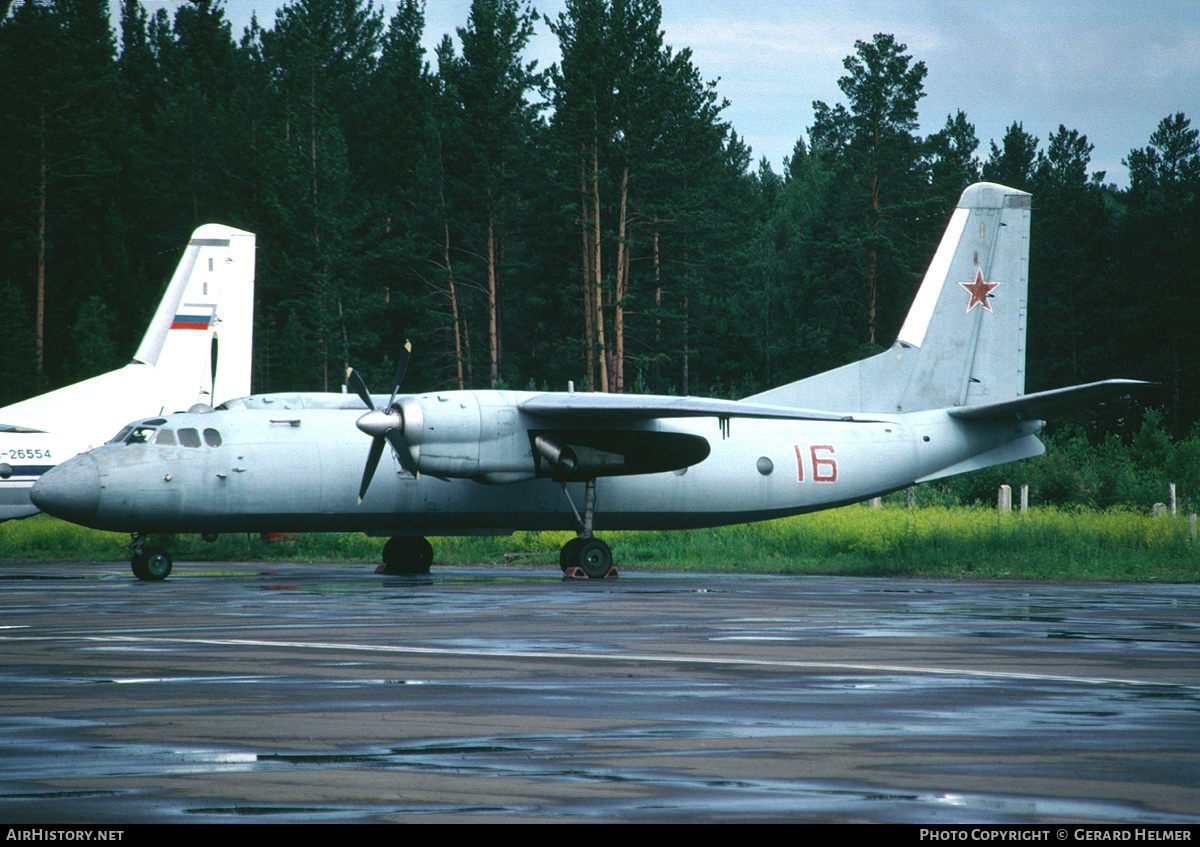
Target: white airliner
(196, 351)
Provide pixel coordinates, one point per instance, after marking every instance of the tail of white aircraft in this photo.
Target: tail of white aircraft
(196, 350)
(207, 307)
(963, 342)
(201, 336)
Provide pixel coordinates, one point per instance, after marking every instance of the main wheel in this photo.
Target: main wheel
(568, 557)
(594, 558)
(404, 555)
(152, 565)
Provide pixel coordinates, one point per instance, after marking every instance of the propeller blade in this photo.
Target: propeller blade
(355, 383)
(372, 463)
(383, 425)
(403, 453)
(401, 367)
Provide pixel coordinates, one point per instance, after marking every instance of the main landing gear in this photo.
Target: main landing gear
(150, 564)
(585, 555)
(406, 555)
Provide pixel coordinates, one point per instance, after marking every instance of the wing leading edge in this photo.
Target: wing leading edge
(622, 408)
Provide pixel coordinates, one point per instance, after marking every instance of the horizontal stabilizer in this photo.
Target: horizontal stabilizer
(1047, 404)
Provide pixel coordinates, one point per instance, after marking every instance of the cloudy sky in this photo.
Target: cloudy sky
(1111, 69)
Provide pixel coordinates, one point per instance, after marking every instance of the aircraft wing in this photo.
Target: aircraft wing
(584, 434)
(1046, 404)
(594, 407)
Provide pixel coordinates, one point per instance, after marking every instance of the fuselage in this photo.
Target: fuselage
(300, 470)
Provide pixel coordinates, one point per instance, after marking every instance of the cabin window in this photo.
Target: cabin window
(189, 437)
(120, 436)
(166, 437)
(212, 438)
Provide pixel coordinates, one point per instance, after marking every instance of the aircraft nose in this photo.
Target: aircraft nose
(70, 491)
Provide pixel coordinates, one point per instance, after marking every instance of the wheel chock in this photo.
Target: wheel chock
(576, 572)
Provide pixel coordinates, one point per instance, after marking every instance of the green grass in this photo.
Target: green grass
(948, 542)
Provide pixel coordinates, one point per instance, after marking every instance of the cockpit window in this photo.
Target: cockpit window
(189, 437)
(140, 435)
(141, 432)
(147, 432)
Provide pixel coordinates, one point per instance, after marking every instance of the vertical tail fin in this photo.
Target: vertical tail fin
(200, 339)
(963, 341)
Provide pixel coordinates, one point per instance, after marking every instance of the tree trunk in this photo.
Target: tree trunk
(41, 271)
(656, 372)
(452, 294)
(873, 254)
(602, 352)
(589, 319)
(493, 320)
(622, 286)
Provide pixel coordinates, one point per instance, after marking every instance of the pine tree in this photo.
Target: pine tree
(59, 95)
(490, 87)
(1069, 270)
(320, 55)
(640, 132)
(1013, 162)
(882, 164)
(1158, 276)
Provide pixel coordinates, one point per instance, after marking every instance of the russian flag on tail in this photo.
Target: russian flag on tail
(194, 316)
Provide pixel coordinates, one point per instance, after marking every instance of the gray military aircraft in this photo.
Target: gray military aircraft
(948, 397)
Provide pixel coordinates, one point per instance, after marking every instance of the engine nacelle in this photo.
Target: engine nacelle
(480, 435)
(467, 434)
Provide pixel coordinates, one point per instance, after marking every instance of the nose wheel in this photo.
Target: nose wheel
(150, 564)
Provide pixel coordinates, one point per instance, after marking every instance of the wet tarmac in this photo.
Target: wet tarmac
(326, 693)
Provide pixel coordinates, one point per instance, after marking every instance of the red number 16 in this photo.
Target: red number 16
(824, 466)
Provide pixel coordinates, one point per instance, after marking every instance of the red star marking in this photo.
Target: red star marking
(979, 291)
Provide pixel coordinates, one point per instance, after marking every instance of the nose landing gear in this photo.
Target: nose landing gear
(150, 564)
